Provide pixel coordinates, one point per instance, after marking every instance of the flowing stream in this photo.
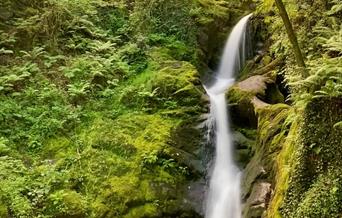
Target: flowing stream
(223, 200)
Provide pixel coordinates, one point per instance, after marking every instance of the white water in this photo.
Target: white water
(223, 199)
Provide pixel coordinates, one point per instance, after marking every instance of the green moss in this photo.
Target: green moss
(236, 95)
(3, 211)
(324, 197)
(147, 210)
(174, 78)
(119, 160)
(308, 169)
(165, 85)
(283, 168)
(4, 149)
(56, 148)
(3, 207)
(241, 106)
(271, 124)
(67, 203)
(270, 137)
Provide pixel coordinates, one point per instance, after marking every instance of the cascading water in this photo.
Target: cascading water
(223, 200)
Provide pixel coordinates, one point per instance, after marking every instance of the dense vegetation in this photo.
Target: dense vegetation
(96, 100)
(100, 99)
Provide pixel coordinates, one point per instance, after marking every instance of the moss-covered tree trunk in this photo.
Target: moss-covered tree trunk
(291, 34)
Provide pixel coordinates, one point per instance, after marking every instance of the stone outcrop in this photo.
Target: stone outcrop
(253, 107)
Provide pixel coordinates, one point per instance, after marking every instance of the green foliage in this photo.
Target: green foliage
(89, 106)
(320, 36)
(265, 6)
(176, 49)
(154, 17)
(336, 8)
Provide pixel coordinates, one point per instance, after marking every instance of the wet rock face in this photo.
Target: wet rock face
(243, 145)
(189, 147)
(258, 200)
(313, 182)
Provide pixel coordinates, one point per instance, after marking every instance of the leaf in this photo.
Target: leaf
(335, 9)
(338, 125)
(3, 51)
(321, 92)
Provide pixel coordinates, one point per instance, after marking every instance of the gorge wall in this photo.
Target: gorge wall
(288, 127)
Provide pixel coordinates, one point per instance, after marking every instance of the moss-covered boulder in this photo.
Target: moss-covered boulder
(314, 185)
(250, 95)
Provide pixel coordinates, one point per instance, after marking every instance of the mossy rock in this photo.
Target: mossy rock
(177, 79)
(246, 97)
(146, 210)
(242, 108)
(165, 84)
(261, 167)
(314, 188)
(243, 146)
(324, 197)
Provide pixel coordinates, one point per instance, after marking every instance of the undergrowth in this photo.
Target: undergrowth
(93, 96)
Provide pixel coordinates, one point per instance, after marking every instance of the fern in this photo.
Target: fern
(337, 8)
(49, 60)
(34, 54)
(4, 51)
(78, 89)
(338, 125)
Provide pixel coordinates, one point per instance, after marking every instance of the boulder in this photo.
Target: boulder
(246, 97)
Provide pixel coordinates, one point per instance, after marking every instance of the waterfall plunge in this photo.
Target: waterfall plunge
(223, 200)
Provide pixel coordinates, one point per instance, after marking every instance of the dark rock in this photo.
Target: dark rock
(252, 172)
(258, 200)
(241, 141)
(205, 99)
(242, 157)
(244, 98)
(243, 147)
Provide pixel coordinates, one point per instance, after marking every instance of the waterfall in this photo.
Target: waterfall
(223, 200)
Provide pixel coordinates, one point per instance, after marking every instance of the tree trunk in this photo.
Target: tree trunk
(291, 35)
